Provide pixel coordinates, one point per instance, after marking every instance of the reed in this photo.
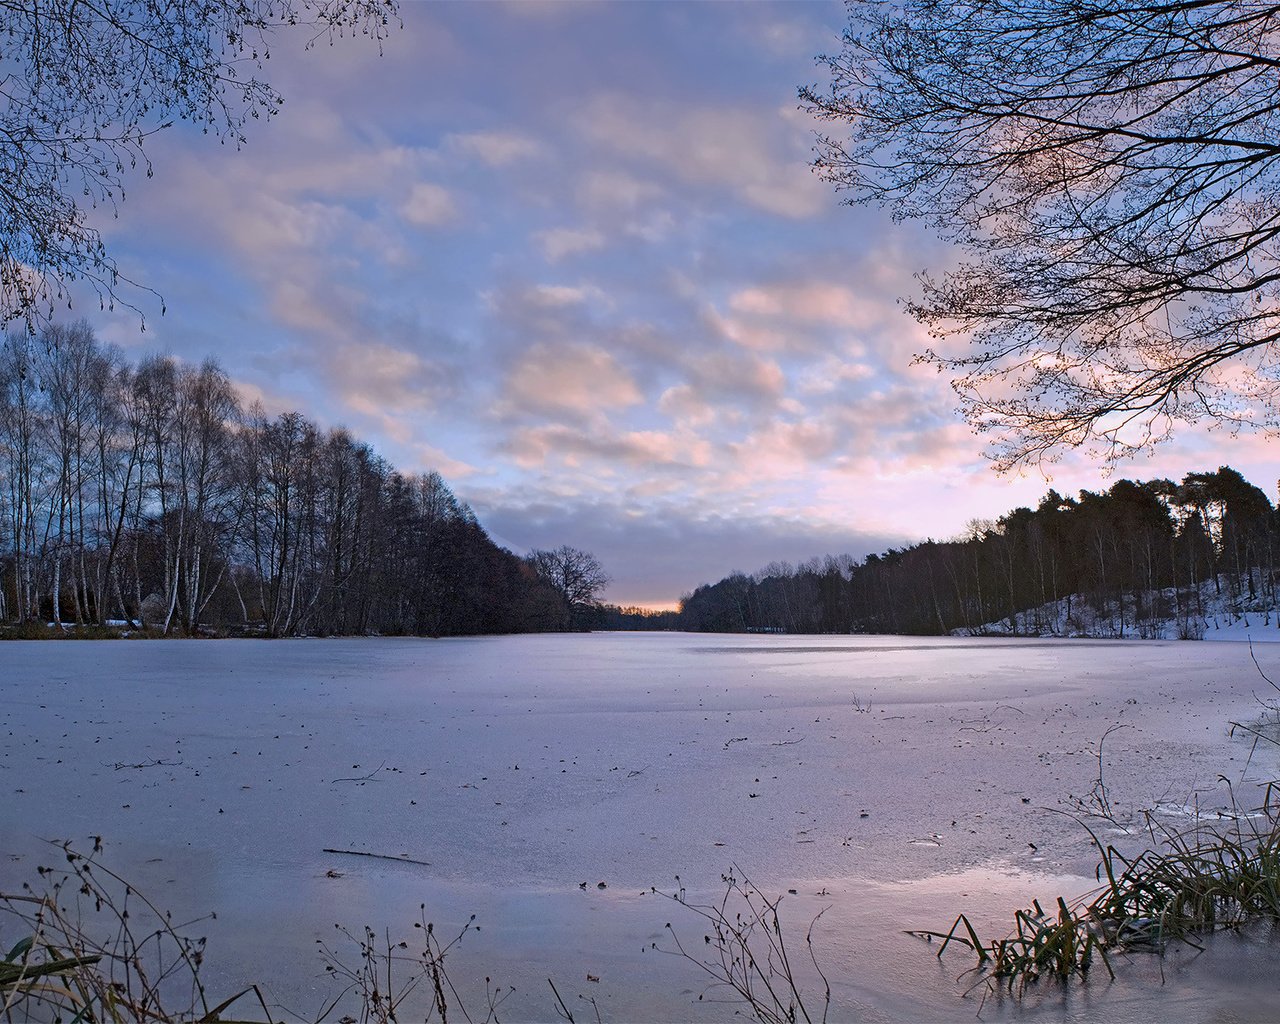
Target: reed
(131, 965)
(745, 958)
(93, 950)
(1220, 873)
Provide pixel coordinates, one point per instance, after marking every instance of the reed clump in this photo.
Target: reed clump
(1222, 872)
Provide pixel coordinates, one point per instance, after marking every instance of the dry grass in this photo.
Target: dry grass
(92, 950)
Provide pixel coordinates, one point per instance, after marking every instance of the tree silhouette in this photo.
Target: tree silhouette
(149, 494)
(577, 576)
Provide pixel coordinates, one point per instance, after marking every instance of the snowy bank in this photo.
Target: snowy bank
(1215, 611)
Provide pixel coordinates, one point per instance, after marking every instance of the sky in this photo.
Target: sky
(574, 257)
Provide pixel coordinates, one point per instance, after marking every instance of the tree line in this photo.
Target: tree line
(1125, 561)
(150, 494)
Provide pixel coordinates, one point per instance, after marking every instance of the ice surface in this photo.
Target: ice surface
(908, 780)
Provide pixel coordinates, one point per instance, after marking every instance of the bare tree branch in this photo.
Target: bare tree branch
(86, 83)
(1112, 170)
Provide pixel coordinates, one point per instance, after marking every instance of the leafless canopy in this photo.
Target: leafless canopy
(1111, 171)
(576, 575)
(85, 83)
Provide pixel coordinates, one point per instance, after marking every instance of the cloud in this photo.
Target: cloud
(615, 191)
(788, 38)
(784, 448)
(294, 303)
(812, 315)
(429, 206)
(497, 149)
(683, 404)
(568, 379)
(548, 9)
(647, 449)
(751, 334)
(758, 155)
(818, 302)
(375, 378)
(559, 243)
(829, 375)
(428, 457)
(656, 551)
(740, 377)
(556, 296)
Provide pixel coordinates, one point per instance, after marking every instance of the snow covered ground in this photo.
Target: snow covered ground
(1216, 615)
(897, 781)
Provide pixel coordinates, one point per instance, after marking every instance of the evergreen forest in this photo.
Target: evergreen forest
(1136, 559)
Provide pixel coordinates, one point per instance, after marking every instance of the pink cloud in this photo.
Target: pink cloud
(743, 376)
(569, 378)
(429, 206)
(812, 302)
(684, 405)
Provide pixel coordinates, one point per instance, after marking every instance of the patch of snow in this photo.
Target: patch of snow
(1214, 613)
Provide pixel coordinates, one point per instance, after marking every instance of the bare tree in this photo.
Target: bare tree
(22, 423)
(277, 476)
(1112, 171)
(88, 82)
(575, 575)
(68, 363)
(206, 407)
(144, 492)
(119, 437)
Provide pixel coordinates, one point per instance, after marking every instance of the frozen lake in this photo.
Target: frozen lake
(897, 781)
